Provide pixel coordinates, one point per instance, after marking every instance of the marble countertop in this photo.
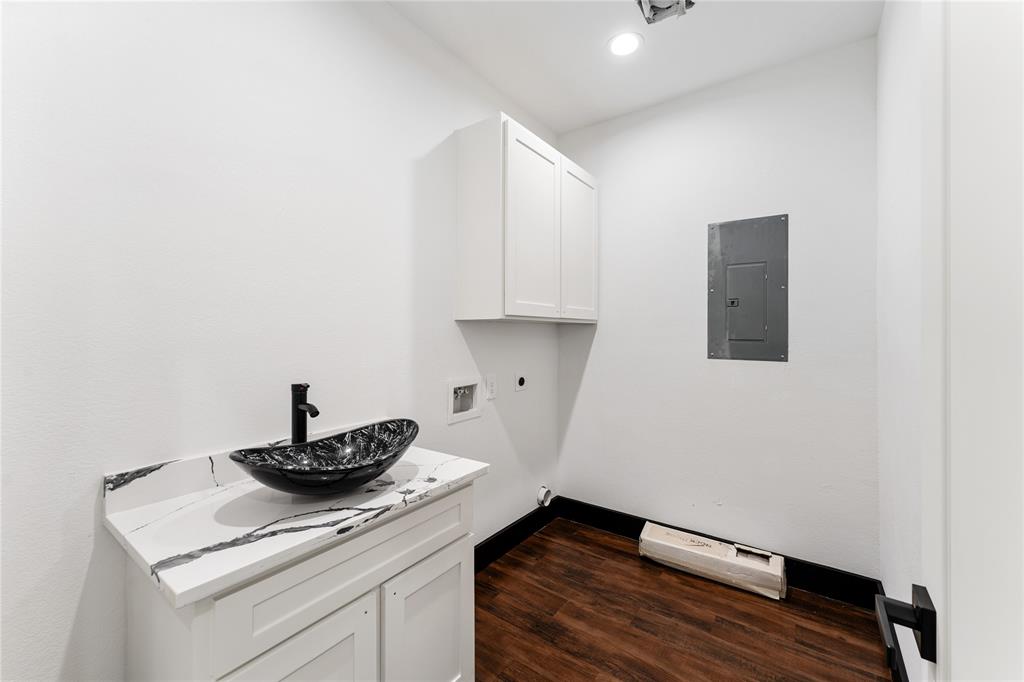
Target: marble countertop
(200, 526)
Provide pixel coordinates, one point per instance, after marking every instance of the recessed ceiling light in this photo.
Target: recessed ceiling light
(625, 43)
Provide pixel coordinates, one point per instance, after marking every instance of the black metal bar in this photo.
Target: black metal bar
(919, 616)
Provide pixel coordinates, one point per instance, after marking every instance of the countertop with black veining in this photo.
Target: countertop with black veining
(200, 526)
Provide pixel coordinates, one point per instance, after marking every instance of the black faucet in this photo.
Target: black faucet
(300, 408)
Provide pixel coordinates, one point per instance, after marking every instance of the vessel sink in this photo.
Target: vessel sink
(330, 465)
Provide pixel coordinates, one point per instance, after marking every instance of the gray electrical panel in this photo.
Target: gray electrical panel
(748, 272)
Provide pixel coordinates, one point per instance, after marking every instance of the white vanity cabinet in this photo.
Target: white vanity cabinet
(342, 646)
(392, 603)
(527, 228)
(428, 618)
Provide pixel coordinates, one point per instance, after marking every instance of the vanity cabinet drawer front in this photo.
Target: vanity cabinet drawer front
(344, 646)
(251, 620)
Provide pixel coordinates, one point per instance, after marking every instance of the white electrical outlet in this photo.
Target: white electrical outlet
(491, 386)
(520, 383)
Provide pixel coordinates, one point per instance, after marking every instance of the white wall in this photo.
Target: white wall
(202, 204)
(911, 310)
(951, 354)
(779, 455)
(986, 339)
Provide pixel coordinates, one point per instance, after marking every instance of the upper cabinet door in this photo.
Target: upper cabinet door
(579, 243)
(532, 235)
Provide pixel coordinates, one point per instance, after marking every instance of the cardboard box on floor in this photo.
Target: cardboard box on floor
(744, 567)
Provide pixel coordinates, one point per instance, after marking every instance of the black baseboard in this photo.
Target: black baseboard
(511, 535)
(833, 583)
(826, 581)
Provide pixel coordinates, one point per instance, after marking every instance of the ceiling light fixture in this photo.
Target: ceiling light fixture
(657, 10)
(625, 43)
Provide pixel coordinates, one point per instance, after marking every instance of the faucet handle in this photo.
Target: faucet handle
(300, 388)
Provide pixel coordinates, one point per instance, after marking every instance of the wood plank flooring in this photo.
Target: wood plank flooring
(576, 603)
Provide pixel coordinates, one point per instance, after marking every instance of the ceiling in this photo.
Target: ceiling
(551, 58)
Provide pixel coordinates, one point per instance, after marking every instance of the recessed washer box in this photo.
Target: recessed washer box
(464, 397)
(748, 300)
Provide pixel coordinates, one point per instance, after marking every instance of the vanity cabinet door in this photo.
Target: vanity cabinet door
(342, 646)
(532, 233)
(579, 243)
(428, 618)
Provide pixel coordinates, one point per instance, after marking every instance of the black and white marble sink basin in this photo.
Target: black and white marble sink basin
(332, 465)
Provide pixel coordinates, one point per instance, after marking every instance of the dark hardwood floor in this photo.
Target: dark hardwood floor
(576, 603)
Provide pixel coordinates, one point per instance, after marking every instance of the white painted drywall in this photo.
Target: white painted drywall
(202, 204)
(777, 455)
(911, 310)
(552, 55)
(899, 295)
(986, 339)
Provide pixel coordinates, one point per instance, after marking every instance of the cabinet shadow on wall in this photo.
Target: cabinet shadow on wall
(528, 418)
(430, 254)
(552, 354)
(441, 348)
(574, 344)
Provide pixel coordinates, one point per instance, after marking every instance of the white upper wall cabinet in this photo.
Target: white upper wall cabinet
(532, 221)
(579, 242)
(527, 228)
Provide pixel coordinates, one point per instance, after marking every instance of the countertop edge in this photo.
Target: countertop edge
(315, 544)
